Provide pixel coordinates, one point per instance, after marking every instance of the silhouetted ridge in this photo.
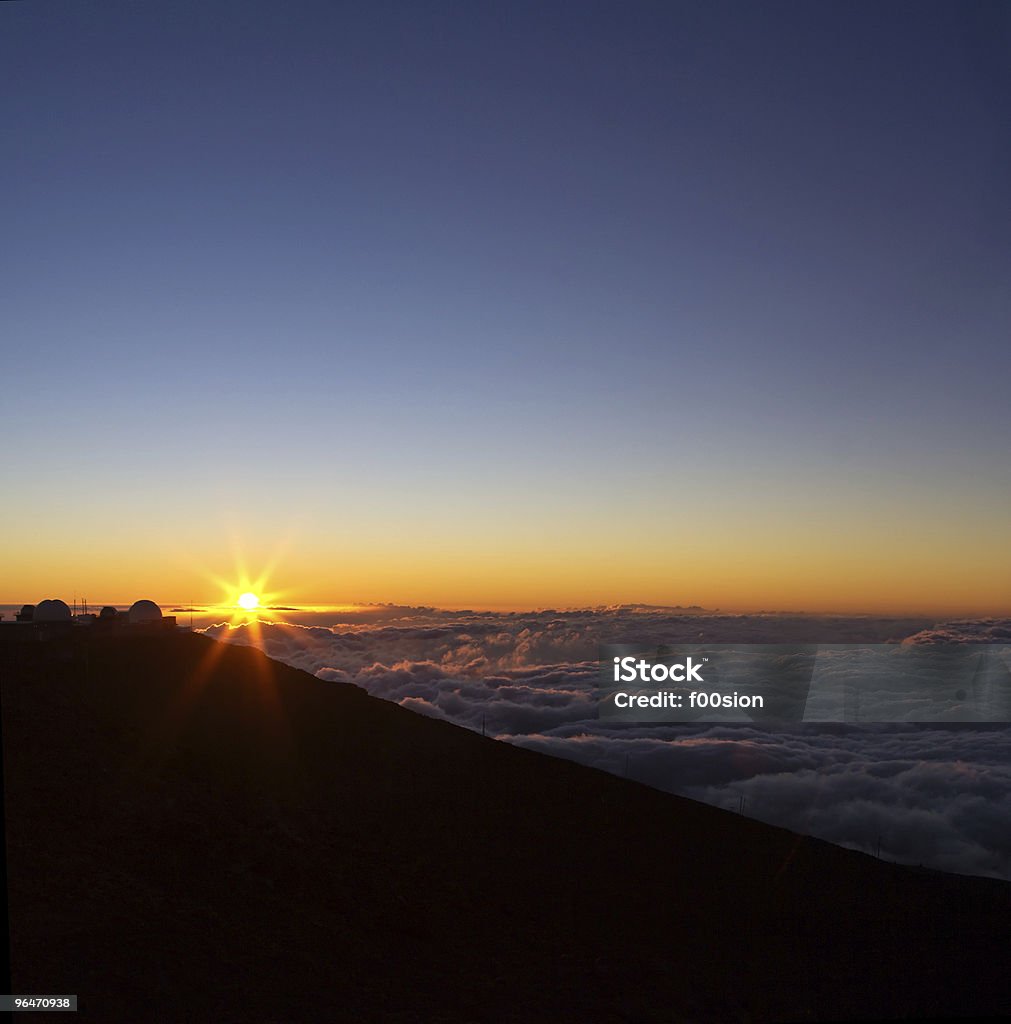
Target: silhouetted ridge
(196, 832)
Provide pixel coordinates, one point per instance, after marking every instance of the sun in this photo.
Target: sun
(248, 599)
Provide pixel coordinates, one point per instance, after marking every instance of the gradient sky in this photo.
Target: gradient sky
(513, 304)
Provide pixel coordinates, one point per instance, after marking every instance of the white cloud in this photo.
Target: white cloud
(931, 795)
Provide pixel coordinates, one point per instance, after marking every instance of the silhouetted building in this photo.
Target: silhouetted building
(52, 617)
(52, 610)
(142, 612)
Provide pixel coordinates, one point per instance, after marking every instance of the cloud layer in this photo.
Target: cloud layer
(923, 794)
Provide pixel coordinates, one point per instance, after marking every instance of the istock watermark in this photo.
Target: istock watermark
(781, 683)
(628, 670)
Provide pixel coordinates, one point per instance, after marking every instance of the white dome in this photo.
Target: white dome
(144, 611)
(52, 610)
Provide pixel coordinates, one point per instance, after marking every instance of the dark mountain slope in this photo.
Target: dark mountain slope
(196, 832)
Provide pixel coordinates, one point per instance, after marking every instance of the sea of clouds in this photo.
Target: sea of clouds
(924, 794)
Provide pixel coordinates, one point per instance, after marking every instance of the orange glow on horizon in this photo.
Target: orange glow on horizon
(760, 567)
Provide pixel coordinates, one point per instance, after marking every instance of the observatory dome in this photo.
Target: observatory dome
(52, 610)
(144, 611)
(108, 612)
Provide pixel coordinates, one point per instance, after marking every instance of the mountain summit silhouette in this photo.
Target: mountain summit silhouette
(196, 832)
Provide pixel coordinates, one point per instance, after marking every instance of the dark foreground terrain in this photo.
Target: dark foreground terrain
(197, 833)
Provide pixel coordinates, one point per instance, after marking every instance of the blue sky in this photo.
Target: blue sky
(476, 253)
